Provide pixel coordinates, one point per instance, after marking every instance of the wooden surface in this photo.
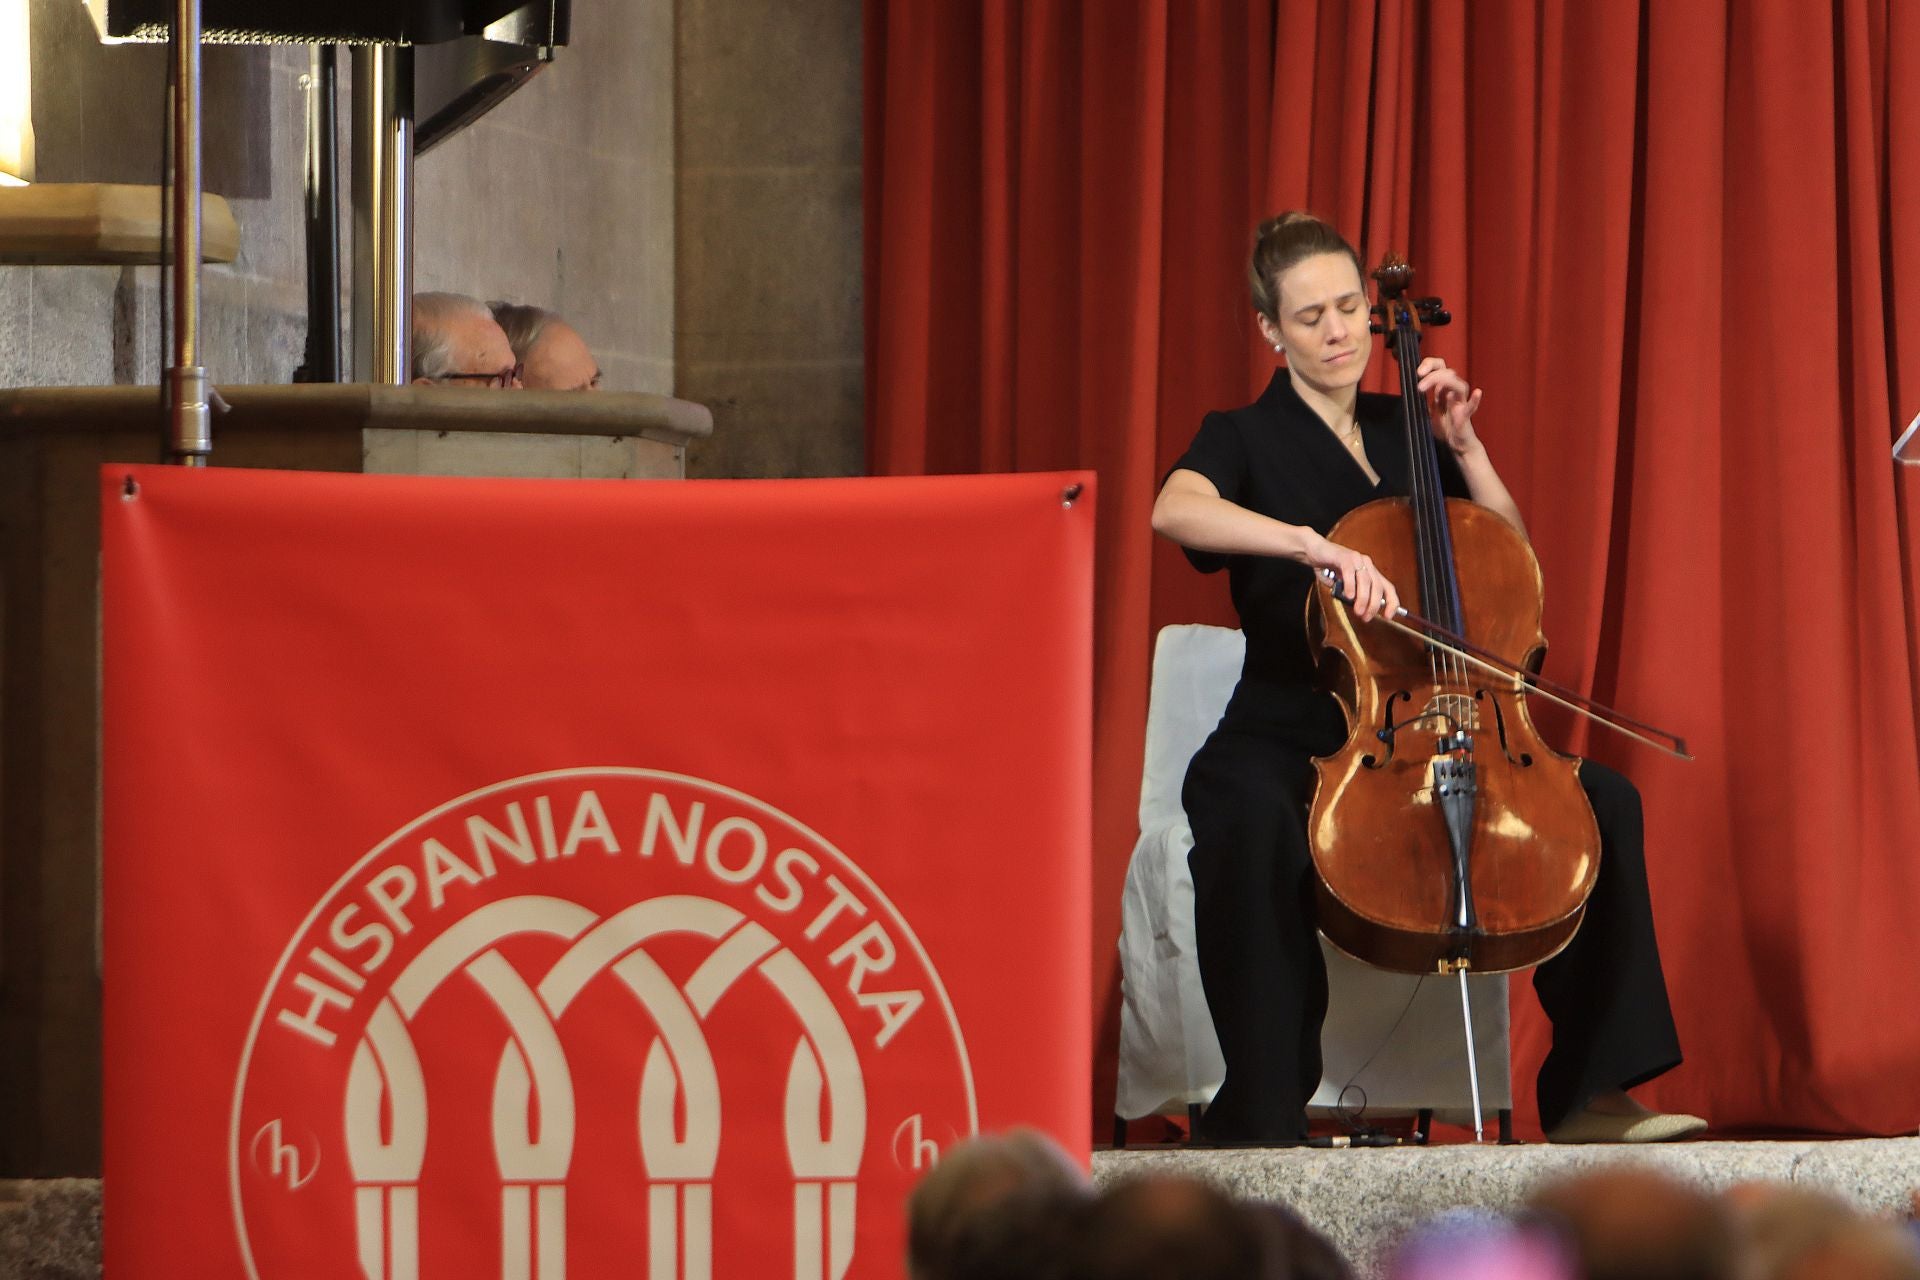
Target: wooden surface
(360, 406)
(82, 223)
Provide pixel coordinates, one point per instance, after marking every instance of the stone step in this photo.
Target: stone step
(50, 1229)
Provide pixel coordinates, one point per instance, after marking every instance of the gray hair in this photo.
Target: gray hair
(522, 323)
(975, 1182)
(431, 312)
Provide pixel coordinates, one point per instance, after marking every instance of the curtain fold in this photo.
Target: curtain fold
(1676, 240)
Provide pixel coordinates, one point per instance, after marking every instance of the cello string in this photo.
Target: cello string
(1432, 546)
(1446, 596)
(1416, 481)
(1427, 542)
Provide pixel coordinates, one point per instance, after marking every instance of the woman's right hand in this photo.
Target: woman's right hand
(1366, 589)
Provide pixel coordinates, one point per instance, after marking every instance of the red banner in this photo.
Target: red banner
(533, 878)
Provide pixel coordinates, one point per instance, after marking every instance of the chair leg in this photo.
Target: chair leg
(1119, 1132)
(1193, 1122)
(1506, 1127)
(1422, 1125)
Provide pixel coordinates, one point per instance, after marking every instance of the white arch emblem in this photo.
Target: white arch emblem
(533, 1077)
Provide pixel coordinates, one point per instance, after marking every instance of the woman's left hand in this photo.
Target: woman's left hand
(1453, 404)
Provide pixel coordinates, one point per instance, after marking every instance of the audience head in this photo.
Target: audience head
(1018, 1208)
(995, 1206)
(1790, 1233)
(1482, 1246)
(1305, 1253)
(1169, 1228)
(1032, 1236)
(456, 342)
(554, 356)
(1633, 1223)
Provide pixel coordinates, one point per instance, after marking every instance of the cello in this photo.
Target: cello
(1446, 835)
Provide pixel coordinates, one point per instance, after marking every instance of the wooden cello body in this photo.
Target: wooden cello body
(1446, 834)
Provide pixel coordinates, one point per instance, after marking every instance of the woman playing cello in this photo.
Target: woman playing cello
(1256, 493)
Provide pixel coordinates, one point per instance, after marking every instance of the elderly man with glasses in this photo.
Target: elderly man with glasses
(553, 354)
(456, 342)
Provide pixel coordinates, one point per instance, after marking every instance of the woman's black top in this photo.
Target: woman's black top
(1279, 458)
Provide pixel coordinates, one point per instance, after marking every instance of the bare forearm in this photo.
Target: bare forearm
(1208, 523)
(1487, 488)
(1192, 513)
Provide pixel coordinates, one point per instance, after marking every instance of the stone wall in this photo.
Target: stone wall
(768, 289)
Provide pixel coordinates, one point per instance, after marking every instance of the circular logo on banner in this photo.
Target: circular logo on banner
(585, 1018)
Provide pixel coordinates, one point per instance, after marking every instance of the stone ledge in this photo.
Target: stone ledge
(50, 1229)
(361, 406)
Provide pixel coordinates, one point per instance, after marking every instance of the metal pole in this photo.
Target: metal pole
(190, 422)
(1473, 1060)
(382, 213)
(322, 363)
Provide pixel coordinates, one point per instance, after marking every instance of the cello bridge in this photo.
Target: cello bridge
(1461, 711)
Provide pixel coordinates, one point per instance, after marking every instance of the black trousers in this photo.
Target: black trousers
(1246, 796)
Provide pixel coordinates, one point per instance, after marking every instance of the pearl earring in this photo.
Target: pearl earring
(1277, 348)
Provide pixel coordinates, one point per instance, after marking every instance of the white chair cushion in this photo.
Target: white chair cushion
(1194, 671)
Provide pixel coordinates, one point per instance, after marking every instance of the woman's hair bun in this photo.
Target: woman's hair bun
(1282, 241)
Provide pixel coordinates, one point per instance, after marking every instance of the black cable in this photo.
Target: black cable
(1355, 1120)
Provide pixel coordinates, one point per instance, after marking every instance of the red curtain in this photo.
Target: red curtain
(1678, 240)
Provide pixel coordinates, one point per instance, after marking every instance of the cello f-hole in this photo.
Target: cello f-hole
(1525, 758)
(1386, 730)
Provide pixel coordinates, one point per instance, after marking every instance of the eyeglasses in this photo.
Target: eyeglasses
(504, 378)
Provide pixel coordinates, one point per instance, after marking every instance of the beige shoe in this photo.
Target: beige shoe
(1593, 1126)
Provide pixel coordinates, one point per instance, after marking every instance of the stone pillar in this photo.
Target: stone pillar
(767, 298)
